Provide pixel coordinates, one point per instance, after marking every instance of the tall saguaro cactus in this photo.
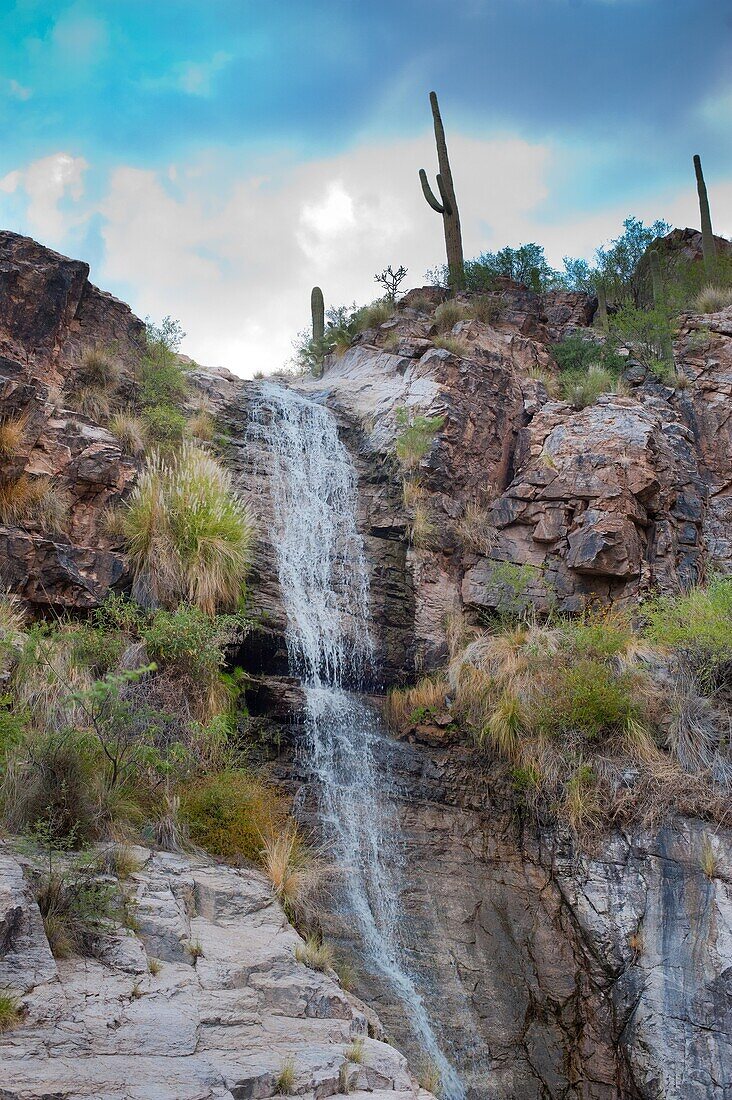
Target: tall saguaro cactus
(659, 303)
(448, 207)
(317, 308)
(706, 218)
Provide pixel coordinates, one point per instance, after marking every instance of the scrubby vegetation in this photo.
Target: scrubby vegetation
(596, 719)
(187, 534)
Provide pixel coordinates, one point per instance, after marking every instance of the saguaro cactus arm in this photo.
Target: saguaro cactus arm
(708, 249)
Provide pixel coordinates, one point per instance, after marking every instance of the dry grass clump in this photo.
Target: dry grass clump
(34, 501)
(99, 368)
(188, 535)
(474, 529)
(291, 868)
(421, 528)
(712, 299)
(12, 433)
(452, 344)
(93, 402)
(409, 706)
(11, 1012)
(202, 426)
(486, 308)
(372, 316)
(550, 382)
(450, 313)
(573, 707)
(584, 390)
(284, 1083)
(430, 1078)
(129, 431)
(315, 954)
(12, 620)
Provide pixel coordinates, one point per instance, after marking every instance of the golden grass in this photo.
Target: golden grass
(11, 1012)
(202, 426)
(474, 529)
(291, 870)
(30, 501)
(315, 954)
(450, 313)
(188, 534)
(129, 431)
(452, 344)
(12, 434)
(100, 369)
(284, 1083)
(712, 299)
(405, 707)
(354, 1053)
(430, 1078)
(708, 861)
(421, 528)
(93, 402)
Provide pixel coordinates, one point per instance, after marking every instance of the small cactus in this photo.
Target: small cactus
(708, 249)
(448, 207)
(317, 307)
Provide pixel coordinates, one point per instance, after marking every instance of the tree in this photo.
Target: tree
(390, 280)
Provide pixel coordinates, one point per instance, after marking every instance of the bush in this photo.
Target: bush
(449, 314)
(33, 501)
(163, 424)
(647, 332)
(231, 814)
(452, 344)
(78, 914)
(699, 621)
(416, 436)
(587, 698)
(372, 316)
(188, 535)
(576, 355)
(584, 389)
(99, 368)
(189, 640)
(129, 432)
(12, 433)
(161, 374)
(712, 299)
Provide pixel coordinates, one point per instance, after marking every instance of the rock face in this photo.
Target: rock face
(228, 1007)
(551, 975)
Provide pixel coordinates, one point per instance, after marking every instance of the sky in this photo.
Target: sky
(214, 160)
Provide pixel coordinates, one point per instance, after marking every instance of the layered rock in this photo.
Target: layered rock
(227, 1008)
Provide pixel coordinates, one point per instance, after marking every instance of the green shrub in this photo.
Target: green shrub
(699, 619)
(587, 698)
(161, 374)
(190, 640)
(119, 613)
(584, 389)
(188, 535)
(647, 332)
(230, 814)
(576, 355)
(372, 316)
(95, 649)
(78, 913)
(416, 436)
(164, 424)
(11, 1012)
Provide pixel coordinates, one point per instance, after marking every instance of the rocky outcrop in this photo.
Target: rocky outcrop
(227, 1006)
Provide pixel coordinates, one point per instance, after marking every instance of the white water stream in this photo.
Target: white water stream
(325, 589)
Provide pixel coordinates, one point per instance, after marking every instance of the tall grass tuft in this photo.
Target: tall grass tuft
(188, 535)
(12, 433)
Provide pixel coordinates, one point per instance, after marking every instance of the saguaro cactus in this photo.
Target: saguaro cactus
(448, 207)
(317, 308)
(706, 218)
(656, 277)
(659, 303)
(602, 305)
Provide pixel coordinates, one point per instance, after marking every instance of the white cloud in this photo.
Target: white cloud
(18, 91)
(236, 261)
(79, 38)
(46, 183)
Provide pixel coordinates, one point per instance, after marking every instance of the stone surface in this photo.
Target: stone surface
(216, 1025)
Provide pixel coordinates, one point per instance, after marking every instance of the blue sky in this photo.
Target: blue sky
(212, 160)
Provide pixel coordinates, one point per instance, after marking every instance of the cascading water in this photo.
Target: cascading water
(325, 589)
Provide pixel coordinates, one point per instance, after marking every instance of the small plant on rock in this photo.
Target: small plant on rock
(11, 1012)
(391, 280)
(12, 433)
(285, 1080)
(315, 954)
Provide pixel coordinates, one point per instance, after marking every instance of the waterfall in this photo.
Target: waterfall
(325, 589)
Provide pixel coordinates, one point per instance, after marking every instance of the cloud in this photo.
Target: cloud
(18, 91)
(46, 183)
(234, 254)
(79, 38)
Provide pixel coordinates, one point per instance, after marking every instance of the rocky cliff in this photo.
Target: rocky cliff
(551, 973)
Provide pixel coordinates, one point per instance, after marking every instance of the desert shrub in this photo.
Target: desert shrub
(700, 618)
(453, 345)
(13, 726)
(231, 814)
(163, 424)
(202, 426)
(52, 776)
(508, 586)
(584, 389)
(588, 698)
(34, 501)
(118, 612)
(78, 912)
(12, 434)
(526, 265)
(449, 314)
(129, 431)
(647, 332)
(189, 640)
(712, 299)
(575, 354)
(415, 436)
(188, 535)
(161, 373)
(99, 368)
(315, 953)
(11, 1012)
